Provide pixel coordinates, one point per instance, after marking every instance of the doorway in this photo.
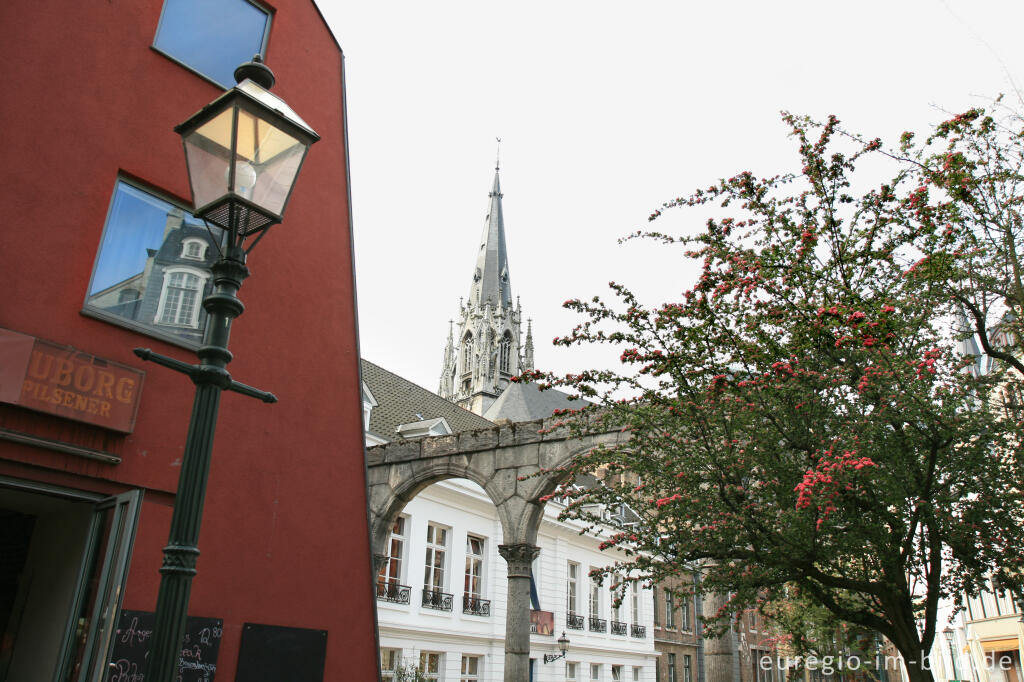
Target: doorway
(64, 559)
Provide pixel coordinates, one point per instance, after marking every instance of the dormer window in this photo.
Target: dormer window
(193, 249)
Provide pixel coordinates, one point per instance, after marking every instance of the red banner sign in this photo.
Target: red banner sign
(542, 622)
(60, 380)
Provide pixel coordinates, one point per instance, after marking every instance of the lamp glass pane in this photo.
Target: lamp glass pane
(268, 160)
(207, 153)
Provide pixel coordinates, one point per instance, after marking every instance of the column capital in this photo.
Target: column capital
(519, 557)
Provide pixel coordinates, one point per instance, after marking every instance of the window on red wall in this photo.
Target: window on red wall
(212, 37)
(153, 267)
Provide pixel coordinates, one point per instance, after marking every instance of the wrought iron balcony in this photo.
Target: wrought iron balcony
(598, 624)
(619, 628)
(639, 631)
(393, 592)
(475, 606)
(435, 599)
(574, 621)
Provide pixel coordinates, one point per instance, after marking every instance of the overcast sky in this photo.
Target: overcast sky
(605, 110)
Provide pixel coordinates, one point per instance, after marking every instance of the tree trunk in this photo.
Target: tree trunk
(918, 667)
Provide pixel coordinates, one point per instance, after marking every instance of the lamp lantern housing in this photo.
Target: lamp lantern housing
(244, 151)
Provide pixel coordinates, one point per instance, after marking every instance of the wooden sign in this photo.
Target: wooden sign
(60, 380)
(133, 639)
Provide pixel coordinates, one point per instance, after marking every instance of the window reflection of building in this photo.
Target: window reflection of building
(153, 269)
(179, 297)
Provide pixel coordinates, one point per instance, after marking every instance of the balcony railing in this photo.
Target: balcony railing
(435, 599)
(393, 592)
(619, 628)
(475, 606)
(638, 631)
(573, 621)
(598, 624)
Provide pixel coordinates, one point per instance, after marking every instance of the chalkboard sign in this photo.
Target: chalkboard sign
(272, 653)
(134, 638)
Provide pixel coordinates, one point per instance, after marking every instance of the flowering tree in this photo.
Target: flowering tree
(801, 416)
(966, 212)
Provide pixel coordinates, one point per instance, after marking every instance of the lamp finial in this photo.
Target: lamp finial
(256, 71)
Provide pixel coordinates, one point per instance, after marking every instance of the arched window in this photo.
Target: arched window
(467, 353)
(180, 297)
(505, 353)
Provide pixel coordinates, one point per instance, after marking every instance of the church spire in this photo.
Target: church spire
(491, 278)
(481, 358)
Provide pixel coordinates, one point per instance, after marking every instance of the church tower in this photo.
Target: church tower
(484, 354)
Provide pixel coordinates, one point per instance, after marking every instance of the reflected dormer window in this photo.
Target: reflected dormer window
(193, 249)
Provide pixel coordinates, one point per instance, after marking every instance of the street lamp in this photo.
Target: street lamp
(243, 151)
(563, 646)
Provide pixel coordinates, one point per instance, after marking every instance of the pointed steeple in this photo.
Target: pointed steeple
(491, 277)
(485, 352)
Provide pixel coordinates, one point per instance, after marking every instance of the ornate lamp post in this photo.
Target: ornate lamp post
(244, 151)
(563, 646)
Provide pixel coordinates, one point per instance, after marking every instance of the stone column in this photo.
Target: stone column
(519, 557)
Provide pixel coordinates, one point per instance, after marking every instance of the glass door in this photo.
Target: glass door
(93, 618)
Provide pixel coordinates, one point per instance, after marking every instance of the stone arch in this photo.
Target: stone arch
(408, 488)
(506, 461)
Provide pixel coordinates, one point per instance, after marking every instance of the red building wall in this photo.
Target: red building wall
(284, 538)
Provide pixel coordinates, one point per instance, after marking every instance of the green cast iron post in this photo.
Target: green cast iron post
(211, 378)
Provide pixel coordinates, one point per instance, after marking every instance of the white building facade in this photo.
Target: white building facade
(443, 605)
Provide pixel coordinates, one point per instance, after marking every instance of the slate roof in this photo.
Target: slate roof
(399, 401)
(525, 402)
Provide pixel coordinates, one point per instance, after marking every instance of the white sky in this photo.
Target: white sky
(606, 110)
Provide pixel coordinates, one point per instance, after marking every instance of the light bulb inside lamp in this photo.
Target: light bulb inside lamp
(245, 178)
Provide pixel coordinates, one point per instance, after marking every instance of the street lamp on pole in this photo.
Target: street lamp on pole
(243, 151)
(563, 646)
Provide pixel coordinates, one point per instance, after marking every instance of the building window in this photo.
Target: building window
(595, 671)
(391, 572)
(437, 543)
(685, 622)
(430, 665)
(761, 673)
(467, 353)
(570, 671)
(180, 297)
(671, 666)
(670, 610)
(617, 673)
(595, 597)
(193, 249)
(212, 38)
(616, 605)
(474, 567)
(505, 353)
(141, 278)
(636, 673)
(572, 586)
(687, 669)
(390, 659)
(635, 593)
(470, 669)
(654, 601)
